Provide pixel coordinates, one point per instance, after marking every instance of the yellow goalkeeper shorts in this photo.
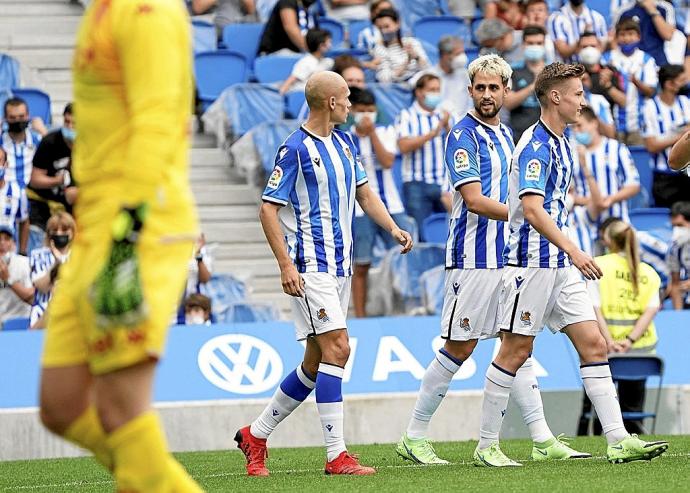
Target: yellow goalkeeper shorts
(72, 337)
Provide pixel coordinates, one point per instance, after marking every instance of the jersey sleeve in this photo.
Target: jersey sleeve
(533, 168)
(153, 45)
(461, 158)
(360, 174)
(654, 287)
(303, 68)
(403, 125)
(387, 137)
(42, 156)
(649, 119)
(627, 168)
(649, 74)
(282, 181)
(673, 260)
(40, 264)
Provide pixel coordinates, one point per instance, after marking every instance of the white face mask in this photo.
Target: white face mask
(194, 320)
(590, 55)
(6, 257)
(459, 61)
(681, 234)
(366, 114)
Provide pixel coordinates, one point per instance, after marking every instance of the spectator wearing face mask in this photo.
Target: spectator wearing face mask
(398, 58)
(567, 25)
(286, 29)
(197, 310)
(377, 147)
(496, 36)
(521, 100)
(666, 117)
(657, 20)
(16, 290)
(640, 71)
(15, 206)
(318, 43)
(679, 258)
(52, 182)
(603, 79)
(421, 131)
(45, 263)
(370, 36)
(537, 14)
(451, 69)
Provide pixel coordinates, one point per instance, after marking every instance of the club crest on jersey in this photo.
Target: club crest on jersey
(316, 160)
(348, 153)
(322, 315)
(533, 170)
(461, 160)
(526, 319)
(465, 324)
(275, 178)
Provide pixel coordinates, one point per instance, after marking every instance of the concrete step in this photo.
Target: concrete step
(58, 24)
(209, 157)
(239, 232)
(210, 174)
(39, 9)
(280, 300)
(203, 140)
(242, 251)
(56, 75)
(228, 213)
(59, 91)
(266, 285)
(44, 41)
(256, 269)
(224, 194)
(53, 58)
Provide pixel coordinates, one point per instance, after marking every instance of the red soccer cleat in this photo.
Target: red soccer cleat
(254, 449)
(346, 463)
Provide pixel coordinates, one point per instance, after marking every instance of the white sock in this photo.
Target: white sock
(434, 386)
(329, 402)
(600, 389)
(525, 393)
(496, 393)
(299, 386)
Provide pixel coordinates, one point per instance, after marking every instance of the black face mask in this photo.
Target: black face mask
(576, 3)
(17, 127)
(60, 241)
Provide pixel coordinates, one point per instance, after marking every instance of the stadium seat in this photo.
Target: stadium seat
(16, 324)
(431, 51)
(407, 268)
(638, 368)
(205, 38)
(603, 7)
(250, 311)
(335, 28)
(390, 99)
(357, 53)
(38, 101)
(9, 72)
(243, 38)
(268, 136)
(435, 228)
(248, 105)
(432, 282)
(413, 10)
(472, 54)
(294, 101)
(432, 29)
(642, 159)
(274, 68)
(655, 218)
(216, 71)
(354, 29)
(224, 290)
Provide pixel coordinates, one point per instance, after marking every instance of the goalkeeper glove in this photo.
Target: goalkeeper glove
(117, 294)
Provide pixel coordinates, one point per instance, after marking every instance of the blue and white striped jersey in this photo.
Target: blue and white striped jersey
(42, 261)
(14, 206)
(427, 163)
(566, 25)
(316, 179)
(477, 152)
(580, 233)
(368, 38)
(661, 120)
(600, 106)
(613, 168)
(543, 165)
(655, 247)
(642, 66)
(20, 157)
(381, 180)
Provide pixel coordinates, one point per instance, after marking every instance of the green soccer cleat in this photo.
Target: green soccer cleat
(557, 449)
(420, 451)
(493, 456)
(632, 448)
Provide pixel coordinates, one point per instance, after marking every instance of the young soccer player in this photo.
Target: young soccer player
(478, 153)
(307, 218)
(539, 285)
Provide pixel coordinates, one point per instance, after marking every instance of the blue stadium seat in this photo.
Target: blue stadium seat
(354, 29)
(390, 99)
(335, 28)
(9, 72)
(638, 368)
(250, 311)
(274, 68)
(435, 228)
(413, 10)
(431, 51)
(642, 159)
(224, 290)
(603, 7)
(357, 53)
(243, 38)
(432, 282)
(16, 324)
(205, 38)
(38, 101)
(294, 101)
(216, 71)
(248, 105)
(432, 29)
(268, 136)
(654, 218)
(407, 268)
(472, 54)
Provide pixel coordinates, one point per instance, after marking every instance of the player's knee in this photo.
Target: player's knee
(596, 349)
(338, 351)
(57, 417)
(460, 350)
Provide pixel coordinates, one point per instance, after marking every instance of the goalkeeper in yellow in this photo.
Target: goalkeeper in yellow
(136, 228)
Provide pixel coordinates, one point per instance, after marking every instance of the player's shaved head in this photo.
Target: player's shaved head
(321, 87)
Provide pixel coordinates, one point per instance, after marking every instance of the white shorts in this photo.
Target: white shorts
(470, 304)
(324, 305)
(532, 297)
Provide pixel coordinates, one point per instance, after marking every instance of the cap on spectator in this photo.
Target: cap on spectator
(7, 229)
(490, 29)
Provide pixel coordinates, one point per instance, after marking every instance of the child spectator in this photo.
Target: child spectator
(679, 258)
(318, 44)
(657, 20)
(370, 36)
(16, 291)
(399, 58)
(197, 310)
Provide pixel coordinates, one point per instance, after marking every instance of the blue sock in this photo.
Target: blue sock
(329, 401)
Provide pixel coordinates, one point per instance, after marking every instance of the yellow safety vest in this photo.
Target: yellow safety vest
(620, 306)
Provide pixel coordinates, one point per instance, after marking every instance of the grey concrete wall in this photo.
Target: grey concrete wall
(368, 419)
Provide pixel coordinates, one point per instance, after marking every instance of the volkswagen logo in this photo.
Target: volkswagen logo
(240, 364)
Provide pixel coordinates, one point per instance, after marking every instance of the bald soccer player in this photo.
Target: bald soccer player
(307, 212)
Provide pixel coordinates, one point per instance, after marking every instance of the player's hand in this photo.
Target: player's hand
(611, 347)
(200, 243)
(586, 265)
(117, 294)
(293, 283)
(624, 346)
(366, 126)
(402, 237)
(445, 119)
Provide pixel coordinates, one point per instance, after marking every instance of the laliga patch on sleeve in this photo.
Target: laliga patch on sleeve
(533, 170)
(275, 178)
(461, 160)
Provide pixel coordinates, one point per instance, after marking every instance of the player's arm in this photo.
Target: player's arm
(410, 143)
(676, 291)
(679, 158)
(292, 282)
(288, 18)
(481, 204)
(373, 206)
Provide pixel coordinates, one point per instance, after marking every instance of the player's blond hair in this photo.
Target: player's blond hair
(60, 220)
(490, 65)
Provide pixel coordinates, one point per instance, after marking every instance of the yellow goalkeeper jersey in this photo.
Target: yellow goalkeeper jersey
(133, 96)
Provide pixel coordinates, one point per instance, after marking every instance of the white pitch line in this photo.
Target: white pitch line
(282, 471)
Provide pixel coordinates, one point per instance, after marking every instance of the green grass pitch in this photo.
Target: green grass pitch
(302, 470)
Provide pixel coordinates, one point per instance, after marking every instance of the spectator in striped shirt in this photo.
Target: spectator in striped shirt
(679, 257)
(640, 71)
(570, 22)
(14, 207)
(369, 37)
(421, 131)
(666, 119)
(537, 14)
(398, 58)
(657, 21)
